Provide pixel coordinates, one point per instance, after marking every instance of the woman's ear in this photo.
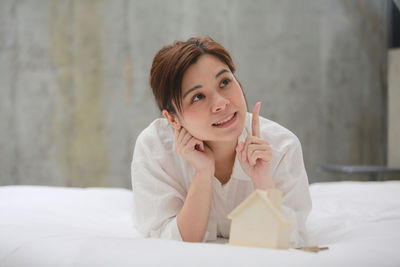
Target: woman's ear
(172, 119)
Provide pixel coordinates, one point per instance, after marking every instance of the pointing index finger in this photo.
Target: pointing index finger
(256, 121)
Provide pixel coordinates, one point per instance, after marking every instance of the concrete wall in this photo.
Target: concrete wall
(74, 90)
(394, 108)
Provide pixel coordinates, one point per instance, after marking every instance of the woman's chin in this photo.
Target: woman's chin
(231, 135)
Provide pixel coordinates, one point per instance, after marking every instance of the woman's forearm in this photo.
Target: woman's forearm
(193, 217)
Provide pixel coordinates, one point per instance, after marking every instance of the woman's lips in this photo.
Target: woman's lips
(227, 122)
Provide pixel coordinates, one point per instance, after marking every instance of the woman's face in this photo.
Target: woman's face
(213, 104)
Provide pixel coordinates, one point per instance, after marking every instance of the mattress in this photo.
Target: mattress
(359, 222)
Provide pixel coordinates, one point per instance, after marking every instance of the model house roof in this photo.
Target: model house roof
(272, 200)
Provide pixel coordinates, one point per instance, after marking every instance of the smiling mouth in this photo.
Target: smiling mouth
(224, 121)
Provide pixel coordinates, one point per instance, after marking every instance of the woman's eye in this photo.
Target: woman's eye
(225, 82)
(197, 97)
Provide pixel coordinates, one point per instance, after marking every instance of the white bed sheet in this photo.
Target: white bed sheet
(55, 226)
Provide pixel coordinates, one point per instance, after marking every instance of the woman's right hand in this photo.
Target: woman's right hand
(194, 151)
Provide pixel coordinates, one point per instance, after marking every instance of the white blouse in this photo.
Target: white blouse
(161, 179)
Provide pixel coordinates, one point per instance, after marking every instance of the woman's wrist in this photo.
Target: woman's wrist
(205, 172)
(264, 184)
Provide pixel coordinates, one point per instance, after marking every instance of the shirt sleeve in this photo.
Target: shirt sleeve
(157, 199)
(296, 193)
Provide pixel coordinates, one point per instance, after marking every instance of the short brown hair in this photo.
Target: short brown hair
(171, 62)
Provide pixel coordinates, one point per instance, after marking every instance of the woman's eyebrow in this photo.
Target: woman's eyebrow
(221, 72)
(199, 86)
(190, 90)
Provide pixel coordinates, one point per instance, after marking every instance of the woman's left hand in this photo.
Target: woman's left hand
(255, 155)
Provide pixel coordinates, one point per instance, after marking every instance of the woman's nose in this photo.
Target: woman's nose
(220, 103)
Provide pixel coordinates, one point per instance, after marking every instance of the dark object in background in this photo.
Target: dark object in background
(372, 172)
(394, 24)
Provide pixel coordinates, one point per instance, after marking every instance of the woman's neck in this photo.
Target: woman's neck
(224, 156)
(223, 150)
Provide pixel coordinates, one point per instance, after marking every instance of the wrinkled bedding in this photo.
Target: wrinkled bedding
(55, 226)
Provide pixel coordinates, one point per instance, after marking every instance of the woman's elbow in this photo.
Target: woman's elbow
(193, 237)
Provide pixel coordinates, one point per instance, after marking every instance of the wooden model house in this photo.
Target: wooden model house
(260, 221)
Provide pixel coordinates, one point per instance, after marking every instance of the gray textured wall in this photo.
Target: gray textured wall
(74, 90)
(394, 108)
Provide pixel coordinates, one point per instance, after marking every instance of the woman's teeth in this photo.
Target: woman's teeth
(224, 121)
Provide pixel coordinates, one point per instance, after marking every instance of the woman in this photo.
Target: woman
(191, 168)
